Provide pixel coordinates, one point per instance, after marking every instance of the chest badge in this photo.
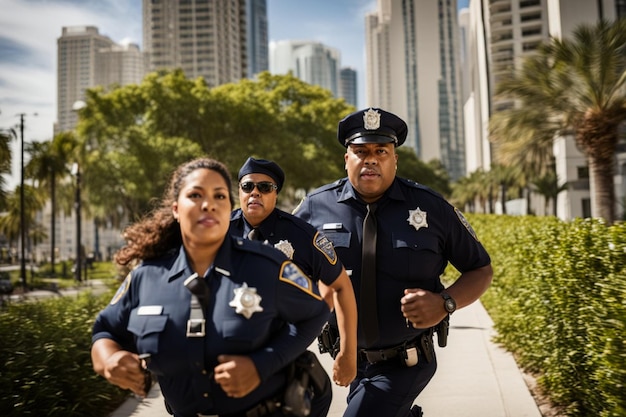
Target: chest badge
(417, 218)
(246, 301)
(285, 247)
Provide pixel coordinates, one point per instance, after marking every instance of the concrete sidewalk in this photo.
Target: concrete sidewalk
(475, 378)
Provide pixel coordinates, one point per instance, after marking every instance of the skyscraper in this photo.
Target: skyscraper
(412, 64)
(77, 49)
(310, 61)
(88, 59)
(348, 85)
(257, 37)
(202, 37)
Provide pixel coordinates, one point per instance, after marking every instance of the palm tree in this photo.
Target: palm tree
(548, 186)
(571, 87)
(10, 222)
(5, 162)
(48, 161)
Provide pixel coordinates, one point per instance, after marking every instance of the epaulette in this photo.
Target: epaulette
(259, 248)
(333, 185)
(296, 222)
(417, 185)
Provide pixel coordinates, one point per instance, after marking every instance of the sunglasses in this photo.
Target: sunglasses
(264, 187)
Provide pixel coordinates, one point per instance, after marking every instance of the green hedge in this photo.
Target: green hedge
(46, 365)
(558, 303)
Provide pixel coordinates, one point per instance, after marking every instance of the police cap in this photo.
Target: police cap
(371, 125)
(263, 166)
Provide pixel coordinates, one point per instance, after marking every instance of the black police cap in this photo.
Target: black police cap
(371, 125)
(263, 166)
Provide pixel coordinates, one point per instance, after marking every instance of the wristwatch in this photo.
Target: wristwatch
(448, 302)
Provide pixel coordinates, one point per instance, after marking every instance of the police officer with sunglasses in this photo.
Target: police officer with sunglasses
(258, 218)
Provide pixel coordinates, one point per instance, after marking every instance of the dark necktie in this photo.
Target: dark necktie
(253, 234)
(368, 312)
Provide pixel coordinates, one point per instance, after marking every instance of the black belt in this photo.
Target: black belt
(379, 355)
(263, 408)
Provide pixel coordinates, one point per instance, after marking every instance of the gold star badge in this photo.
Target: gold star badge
(417, 218)
(246, 301)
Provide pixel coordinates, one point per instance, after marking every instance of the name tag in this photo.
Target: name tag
(332, 226)
(150, 311)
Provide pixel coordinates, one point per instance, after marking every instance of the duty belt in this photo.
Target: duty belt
(423, 344)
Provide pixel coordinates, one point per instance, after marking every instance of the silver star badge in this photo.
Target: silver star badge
(417, 218)
(246, 301)
(285, 247)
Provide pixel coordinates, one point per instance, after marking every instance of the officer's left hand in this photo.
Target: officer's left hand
(344, 369)
(237, 375)
(422, 308)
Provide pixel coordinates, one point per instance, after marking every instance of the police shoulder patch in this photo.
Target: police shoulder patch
(293, 275)
(123, 289)
(325, 245)
(465, 223)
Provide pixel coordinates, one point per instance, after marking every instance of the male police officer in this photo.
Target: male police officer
(260, 181)
(395, 237)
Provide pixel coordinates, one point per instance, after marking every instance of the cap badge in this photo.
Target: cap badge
(417, 218)
(285, 247)
(246, 301)
(371, 119)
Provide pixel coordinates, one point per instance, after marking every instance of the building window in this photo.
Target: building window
(583, 172)
(586, 207)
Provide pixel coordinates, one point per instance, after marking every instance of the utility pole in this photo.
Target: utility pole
(77, 272)
(22, 212)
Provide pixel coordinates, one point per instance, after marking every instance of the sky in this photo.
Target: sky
(29, 30)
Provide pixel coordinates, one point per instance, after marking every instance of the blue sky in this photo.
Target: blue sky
(29, 30)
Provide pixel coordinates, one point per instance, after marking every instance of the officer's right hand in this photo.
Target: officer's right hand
(124, 369)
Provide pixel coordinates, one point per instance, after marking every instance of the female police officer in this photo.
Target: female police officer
(218, 317)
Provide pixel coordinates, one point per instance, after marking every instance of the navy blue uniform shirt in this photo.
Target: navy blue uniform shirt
(310, 249)
(150, 311)
(419, 232)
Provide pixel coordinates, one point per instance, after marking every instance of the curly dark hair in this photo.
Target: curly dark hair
(158, 232)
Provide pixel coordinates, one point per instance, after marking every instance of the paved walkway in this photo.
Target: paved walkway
(475, 378)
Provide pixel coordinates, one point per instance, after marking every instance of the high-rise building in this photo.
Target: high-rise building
(202, 37)
(257, 37)
(77, 51)
(310, 61)
(412, 64)
(87, 59)
(348, 85)
(119, 64)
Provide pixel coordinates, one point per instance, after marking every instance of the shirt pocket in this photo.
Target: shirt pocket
(415, 258)
(244, 334)
(147, 329)
(340, 239)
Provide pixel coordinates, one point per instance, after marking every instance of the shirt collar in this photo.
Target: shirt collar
(348, 192)
(222, 264)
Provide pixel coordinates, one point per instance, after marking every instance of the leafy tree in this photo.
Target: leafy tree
(571, 87)
(432, 174)
(132, 137)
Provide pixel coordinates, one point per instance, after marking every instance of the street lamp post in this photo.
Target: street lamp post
(77, 271)
(22, 211)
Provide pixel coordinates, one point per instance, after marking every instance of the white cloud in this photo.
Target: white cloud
(29, 85)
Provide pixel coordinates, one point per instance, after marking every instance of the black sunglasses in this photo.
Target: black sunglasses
(263, 186)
